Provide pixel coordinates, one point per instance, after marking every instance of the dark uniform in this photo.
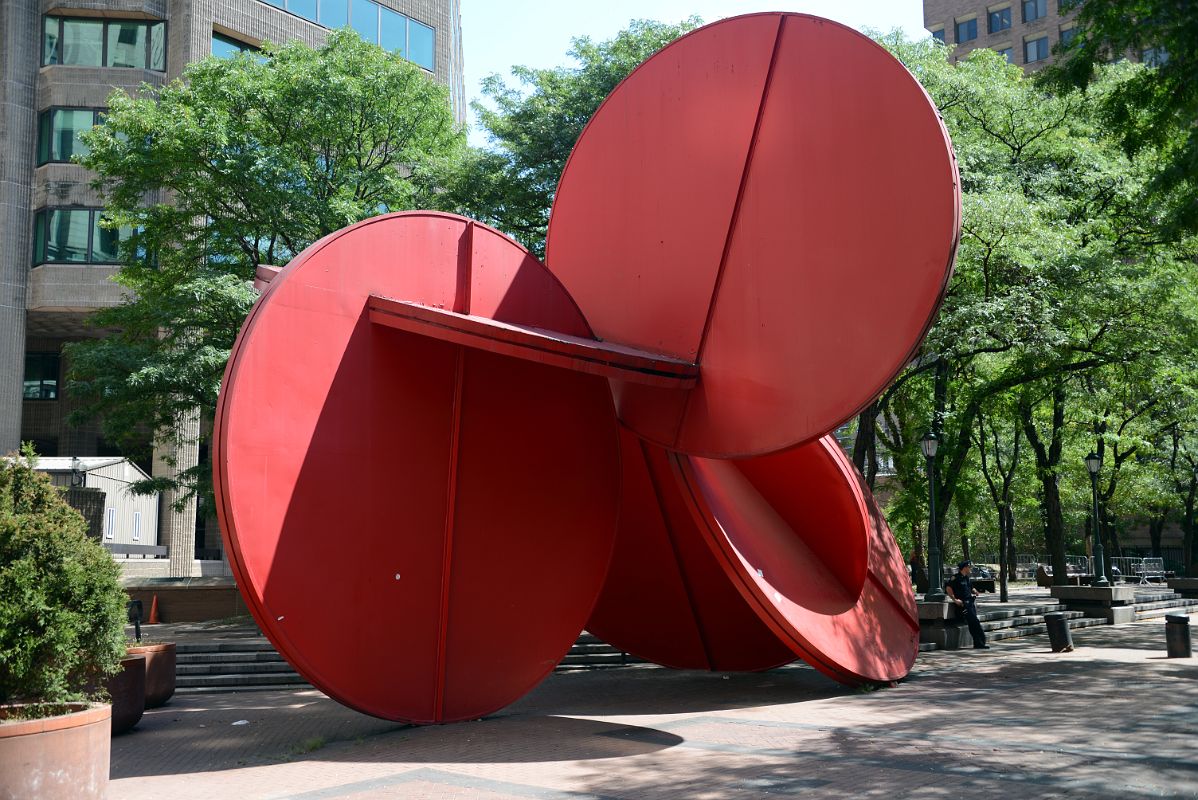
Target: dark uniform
(962, 588)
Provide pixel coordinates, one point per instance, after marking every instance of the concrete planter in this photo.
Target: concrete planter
(56, 757)
(160, 671)
(128, 691)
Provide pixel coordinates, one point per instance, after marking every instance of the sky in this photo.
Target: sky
(499, 33)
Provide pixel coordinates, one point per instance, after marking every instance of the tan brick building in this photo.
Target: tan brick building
(1024, 30)
(60, 60)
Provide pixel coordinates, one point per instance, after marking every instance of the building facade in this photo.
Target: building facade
(60, 60)
(1025, 31)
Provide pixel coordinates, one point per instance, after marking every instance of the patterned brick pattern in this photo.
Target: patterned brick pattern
(1113, 719)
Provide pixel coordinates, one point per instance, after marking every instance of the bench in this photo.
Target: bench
(1074, 576)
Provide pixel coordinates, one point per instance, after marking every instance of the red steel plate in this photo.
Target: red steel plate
(394, 505)
(775, 197)
(667, 598)
(800, 538)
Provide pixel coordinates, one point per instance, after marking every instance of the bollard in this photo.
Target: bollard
(1177, 636)
(1059, 635)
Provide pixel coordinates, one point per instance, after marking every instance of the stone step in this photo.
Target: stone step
(1166, 609)
(1156, 597)
(239, 668)
(1019, 622)
(239, 680)
(228, 658)
(246, 645)
(1030, 630)
(985, 614)
(1175, 602)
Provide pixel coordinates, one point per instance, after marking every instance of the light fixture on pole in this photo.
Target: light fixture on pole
(935, 594)
(1093, 465)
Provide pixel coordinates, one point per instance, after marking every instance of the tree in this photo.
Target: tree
(239, 163)
(1061, 271)
(1157, 109)
(62, 622)
(533, 126)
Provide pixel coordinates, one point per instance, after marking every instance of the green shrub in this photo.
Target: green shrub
(62, 609)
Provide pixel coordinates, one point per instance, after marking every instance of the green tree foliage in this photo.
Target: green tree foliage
(533, 126)
(1063, 282)
(241, 162)
(1157, 109)
(61, 603)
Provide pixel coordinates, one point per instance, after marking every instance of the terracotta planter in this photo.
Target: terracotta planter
(128, 691)
(56, 757)
(160, 671)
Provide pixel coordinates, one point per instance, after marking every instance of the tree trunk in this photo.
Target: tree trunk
(1156, 527)
(1054, 527)
(865, 444)
(1011, 540)
(1188, 525)
(1006, 565)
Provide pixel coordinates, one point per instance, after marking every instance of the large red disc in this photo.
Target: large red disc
(775, 198)
(421, 528)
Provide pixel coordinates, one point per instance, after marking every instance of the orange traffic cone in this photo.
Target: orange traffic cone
(154, 612)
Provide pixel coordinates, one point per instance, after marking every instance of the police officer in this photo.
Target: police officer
(961, 590)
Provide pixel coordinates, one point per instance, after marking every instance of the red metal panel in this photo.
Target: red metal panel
(823, 237)
(666, 598)
(579, 353)
(801, 519)
(367, 484)
(643, 206)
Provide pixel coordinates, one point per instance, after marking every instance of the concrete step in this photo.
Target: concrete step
(228, 658)
(238, 680)
(249, 644)
(1031, 630)
(986, 614)
(1173, 602)
(239, 668)
(1019, 622)
(1164, 610)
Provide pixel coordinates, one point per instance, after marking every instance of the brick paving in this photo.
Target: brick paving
(1115, 718)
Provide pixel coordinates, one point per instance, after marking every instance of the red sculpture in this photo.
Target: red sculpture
(437, 459)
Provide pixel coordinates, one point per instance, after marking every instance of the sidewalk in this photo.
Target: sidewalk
(1115, 718)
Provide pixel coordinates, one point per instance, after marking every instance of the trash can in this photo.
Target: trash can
(1177, 636)
(1059, 635)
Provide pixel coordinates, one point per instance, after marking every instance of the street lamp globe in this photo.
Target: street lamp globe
(1093, 463)
(929, 443)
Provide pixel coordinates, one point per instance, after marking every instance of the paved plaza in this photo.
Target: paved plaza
(1115, 718)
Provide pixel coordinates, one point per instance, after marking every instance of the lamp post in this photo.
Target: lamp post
(1093, 465)
(935, 570)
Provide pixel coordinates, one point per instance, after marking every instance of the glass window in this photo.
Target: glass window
(39, 238)
(365, 19)
(50, 54)
(126, 45)
(1034, 9)
(41, 376)
(112, 43)
(1008, 53)
(303, 8)
(393, 32)
(225, 47)
(421, 45)
(58, 133)
(999, 20)
(967, 30)
(158, 46)
(106, 243)
(67, 235)
(334, 13)
(1035, 50)
(1067, 35)
(82, 42)
(938, 34)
